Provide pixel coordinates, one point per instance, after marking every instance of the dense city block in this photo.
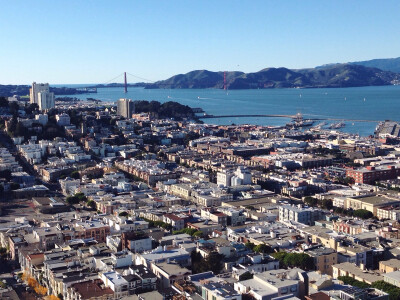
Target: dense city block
(137, 199)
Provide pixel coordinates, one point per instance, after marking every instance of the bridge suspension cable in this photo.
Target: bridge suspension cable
(113, 79)
(141, 78)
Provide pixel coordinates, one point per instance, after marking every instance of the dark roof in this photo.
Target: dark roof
(143, 272)
(131, 278)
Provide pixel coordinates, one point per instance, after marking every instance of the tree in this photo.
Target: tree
(75, 175)
(14, 107)
(190, 136)
(40, 290)
(351, 281)
(20, 130)
(123, 214)
(6, 174)
(190, 231)
(32, 282)
(392, 290)
(310, 201)
(292, 260)
(31, 108)
(262, 248)
(52, 297)
(198, 234)
(250, 207)
(72, 200)
(3, 102)
(245, 276)
(327, 204)
(214, 262)
(363, 214)
(14, 186)
(250, 245)
(91, 204)
(81, 197)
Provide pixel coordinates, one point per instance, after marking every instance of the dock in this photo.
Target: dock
(285, 116)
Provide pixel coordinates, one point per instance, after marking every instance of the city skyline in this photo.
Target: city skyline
(92, 42)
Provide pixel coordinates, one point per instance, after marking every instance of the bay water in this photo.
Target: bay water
(361, 103)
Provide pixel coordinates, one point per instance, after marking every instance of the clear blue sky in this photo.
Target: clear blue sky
(92, 41)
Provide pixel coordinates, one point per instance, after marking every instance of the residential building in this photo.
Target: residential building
(299, 214)
(89, 290)
(219, 291)
(388, 266)
(324, 258)
(45, 100)
(392, 278)
(116, 283)
(168, 273)
(371, 203)
(365, 294)
(349, 269)
(275, 283)
(63, 120)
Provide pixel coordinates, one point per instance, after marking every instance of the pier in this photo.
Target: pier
(285, 116)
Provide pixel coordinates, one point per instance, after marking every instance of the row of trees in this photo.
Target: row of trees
(77, 198)
(34, 284)
(158, 224)
(392, 290)
(189, 231)
(80, 198)
(261, 248)
(328, 204)
(313, 202)
(295, 260)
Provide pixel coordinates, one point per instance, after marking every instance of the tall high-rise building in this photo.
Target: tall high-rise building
(41, 95)
(125, 108)
(45, 100)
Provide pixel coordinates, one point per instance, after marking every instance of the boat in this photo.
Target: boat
(298, 122)
(337, 125)
(319, 126)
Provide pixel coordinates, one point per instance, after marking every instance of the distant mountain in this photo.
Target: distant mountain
(336, 75)
(385, 64)
(23, 90)
(199, 79)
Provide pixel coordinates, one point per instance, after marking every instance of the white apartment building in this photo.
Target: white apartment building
(63, 120)
(298, 214)
(224, 178)
(45, 100)
(116, 283)
(37, 88)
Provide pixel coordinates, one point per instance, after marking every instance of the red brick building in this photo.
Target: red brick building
(371, 174)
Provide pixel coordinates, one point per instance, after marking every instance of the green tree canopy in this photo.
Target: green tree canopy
(74, 174)
(293, 260)
(351, 281)
(392, 290)
(363, 214)
(91, 204)
(262, 248)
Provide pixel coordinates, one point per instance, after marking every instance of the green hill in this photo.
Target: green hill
(337, 75)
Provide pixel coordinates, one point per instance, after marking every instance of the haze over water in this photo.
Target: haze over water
(362, 103)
